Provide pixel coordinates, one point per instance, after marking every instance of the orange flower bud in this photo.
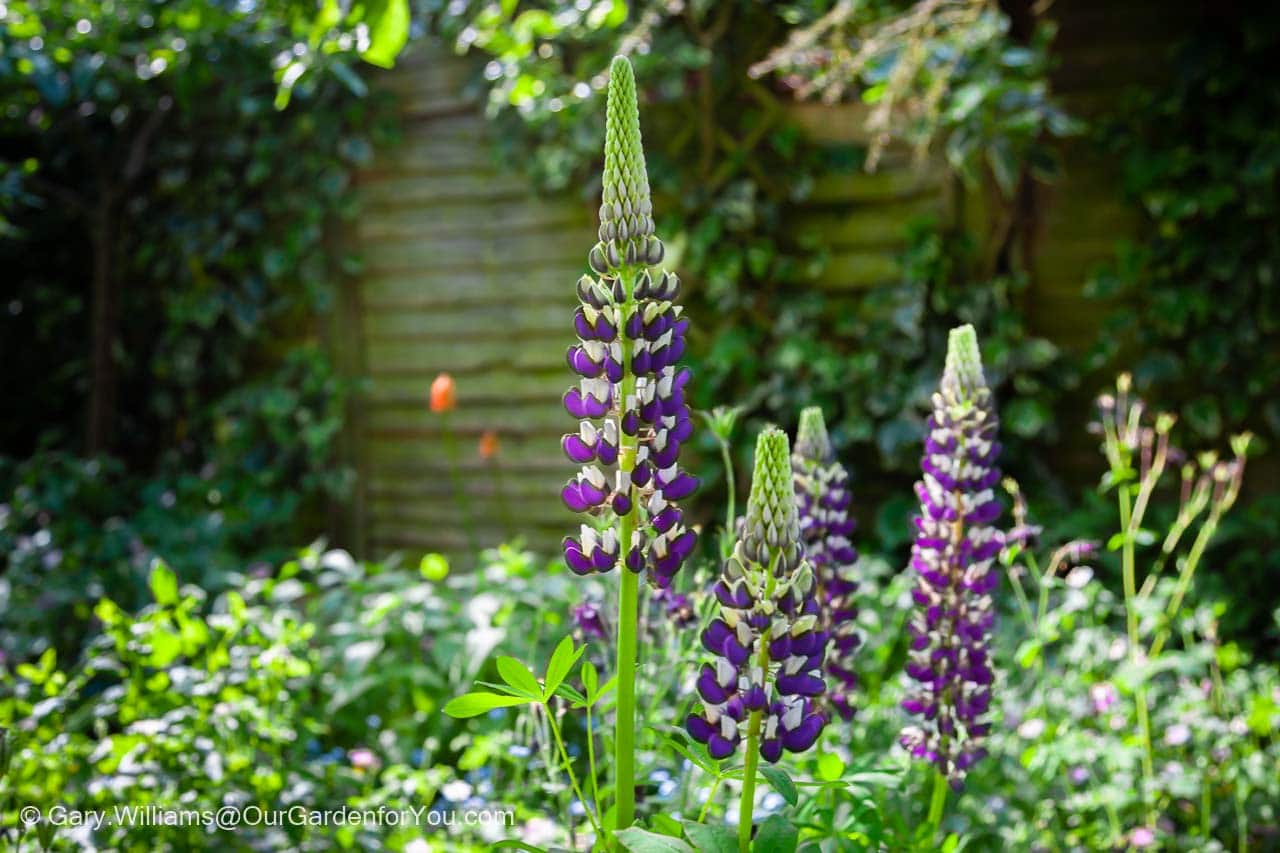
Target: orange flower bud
(488, 446)
(443, 394)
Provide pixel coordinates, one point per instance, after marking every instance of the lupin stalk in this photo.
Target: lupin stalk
(767, 674)
(823, 498)
(955, 545)
(630, 401)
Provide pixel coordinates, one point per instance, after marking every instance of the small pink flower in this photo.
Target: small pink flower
(1177, 734)
(1142, 837)
(1103, 696)
(363, 759)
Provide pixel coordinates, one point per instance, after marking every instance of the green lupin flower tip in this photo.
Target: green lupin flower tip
(771, 506)
(963, 371)
(812, 441)
(626, 211)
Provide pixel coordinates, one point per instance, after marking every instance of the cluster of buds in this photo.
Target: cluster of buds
(823, 498)
(630, 397)
(768, 645)
(955, 546)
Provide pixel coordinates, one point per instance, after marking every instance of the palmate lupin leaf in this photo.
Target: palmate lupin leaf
(630, 395)
(954, 548)
(823, 498)
(767, 644)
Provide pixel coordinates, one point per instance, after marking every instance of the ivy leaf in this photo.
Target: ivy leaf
(776, 835)
(781, 782)
(519, 677)
(562, 660)
(711, 839)
(475, 704)
(642, 841)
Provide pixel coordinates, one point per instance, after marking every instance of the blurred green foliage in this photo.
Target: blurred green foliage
(1198, 295)
(155, 199)
(315, 684)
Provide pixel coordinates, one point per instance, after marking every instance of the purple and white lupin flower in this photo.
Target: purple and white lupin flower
(768, 647)
(630, 397)
(955, 545)
(823, 497)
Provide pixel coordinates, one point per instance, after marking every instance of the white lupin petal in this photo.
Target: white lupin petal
(622, 479)
(793, 716)
(587, 432)
(594, 476)
(744, 633)
(610, 541)
(611, 431)
(725, 672)
(589, 540)
(728, 727)
(657, 503)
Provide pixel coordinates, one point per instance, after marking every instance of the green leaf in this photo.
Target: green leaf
(776, 835)
(781, 782)
(517, 675)
(164, 584)
(475, 704)
(642, 841)
(562, 660)
(951, 843)
(590, 680)
(516, 845)
(830, 767)
(711, 839)
(388, 32)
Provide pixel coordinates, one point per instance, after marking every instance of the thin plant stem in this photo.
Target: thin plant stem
(1206, 806)
(628, 605)
(1184, 578)
(1023, 603)
(711, 797)
(568, 769)
(729, 513)
(591, 760)
(1131, 622)
(937, 803)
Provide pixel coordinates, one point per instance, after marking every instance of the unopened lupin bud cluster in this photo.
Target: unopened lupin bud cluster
(631, 337)
(823, 498)
(767, 643)
(954, 548)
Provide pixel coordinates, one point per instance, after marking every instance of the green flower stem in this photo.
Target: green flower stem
(451, 450)
(1131, 622)
(591, 761)
(729, 514)
(568, 768)
(711, 797)
(747, 804)
(937, 803)
(1206, 533)
(628, 606)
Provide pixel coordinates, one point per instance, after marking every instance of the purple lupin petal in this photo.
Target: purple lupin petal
(954, 548)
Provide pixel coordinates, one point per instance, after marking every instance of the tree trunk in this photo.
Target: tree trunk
(104, 332)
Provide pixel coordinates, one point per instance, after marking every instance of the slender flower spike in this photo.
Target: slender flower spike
(823, 498)
(630, 397)
(955, 544)
(766, 675)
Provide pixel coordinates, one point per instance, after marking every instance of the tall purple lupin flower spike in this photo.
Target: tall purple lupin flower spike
(823, 497)
(955, 545)
(630, 395)
(767, 644)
